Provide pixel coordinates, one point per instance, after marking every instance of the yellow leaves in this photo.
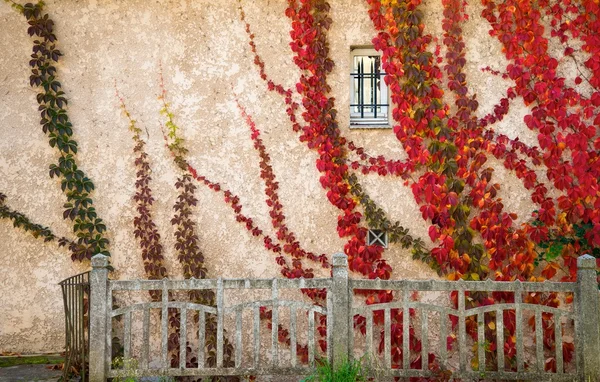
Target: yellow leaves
(492, 325)
(530, 246)
(569, 298)
(453, 254)
(466, 258)
(475, 362)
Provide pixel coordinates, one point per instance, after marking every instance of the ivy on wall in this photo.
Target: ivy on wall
(21, 221)
(88, 228)
(456, 193)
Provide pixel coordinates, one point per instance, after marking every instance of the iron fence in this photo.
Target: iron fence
(76, 292)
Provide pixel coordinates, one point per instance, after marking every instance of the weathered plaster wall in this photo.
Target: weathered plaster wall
(207, 62)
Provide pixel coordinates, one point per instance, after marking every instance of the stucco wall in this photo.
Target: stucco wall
(207, 62)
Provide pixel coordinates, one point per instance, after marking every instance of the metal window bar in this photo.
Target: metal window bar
(361, 89)
(373, 89)
(373, 78)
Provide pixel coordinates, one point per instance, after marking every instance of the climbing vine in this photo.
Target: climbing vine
(451, 145)
(88, 228)
(145, 229)
(19, 220)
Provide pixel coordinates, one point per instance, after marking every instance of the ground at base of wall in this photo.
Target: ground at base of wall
(30, 368)
(37, 373)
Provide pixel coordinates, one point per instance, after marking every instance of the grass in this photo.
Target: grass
(30, 360)
(347, 372)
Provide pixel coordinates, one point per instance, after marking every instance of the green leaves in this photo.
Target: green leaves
(21, 221)
(56, 125)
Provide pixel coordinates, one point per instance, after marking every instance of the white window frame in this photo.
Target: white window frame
(368, 120)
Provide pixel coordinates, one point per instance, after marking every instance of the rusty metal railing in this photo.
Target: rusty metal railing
(76, 299)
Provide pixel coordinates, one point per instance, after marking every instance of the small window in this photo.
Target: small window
(369, 105)
(377, 237)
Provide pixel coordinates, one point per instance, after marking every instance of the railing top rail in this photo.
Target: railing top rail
(476, 286)
(191, 284)
(376, 284)
(81, 278)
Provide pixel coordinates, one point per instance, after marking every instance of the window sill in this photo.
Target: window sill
(370, 127)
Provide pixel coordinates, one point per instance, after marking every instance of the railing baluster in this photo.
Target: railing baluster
(80, 289)
(558, 342)
(519, 323)
(75, 316)
(145, 339)
(350, 333)
(500, 338)
(387, 323)
(311, 338)
(238, 338)
(443, 338)
(577, 329)
(256, 324)
(293, 335)
(369, 333)
(275, 323)
(109, 325)
(79, 303)
(220, 313)
(424, 340)
(163, 323)
(127, 336)
(182, 338)
(405, 328)
(81, 325)
(462, 341)
(201, 337)
(72, 318)
(481, 340)
(539, 341)
(67, 307)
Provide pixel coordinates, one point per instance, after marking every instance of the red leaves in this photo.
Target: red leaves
(537, 234)
(550, 270)
(449, 147)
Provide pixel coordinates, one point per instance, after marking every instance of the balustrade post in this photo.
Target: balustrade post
(341, 311)
(98, 314)
(589, 318)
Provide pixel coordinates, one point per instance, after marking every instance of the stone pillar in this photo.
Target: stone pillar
(589, 318)
(98, 315)
(341, 310)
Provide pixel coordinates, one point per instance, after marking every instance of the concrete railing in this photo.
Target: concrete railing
(429, 321)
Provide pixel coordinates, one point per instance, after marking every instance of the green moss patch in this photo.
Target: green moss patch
(30, 360)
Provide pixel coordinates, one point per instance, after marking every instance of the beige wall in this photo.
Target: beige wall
(204, 53)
